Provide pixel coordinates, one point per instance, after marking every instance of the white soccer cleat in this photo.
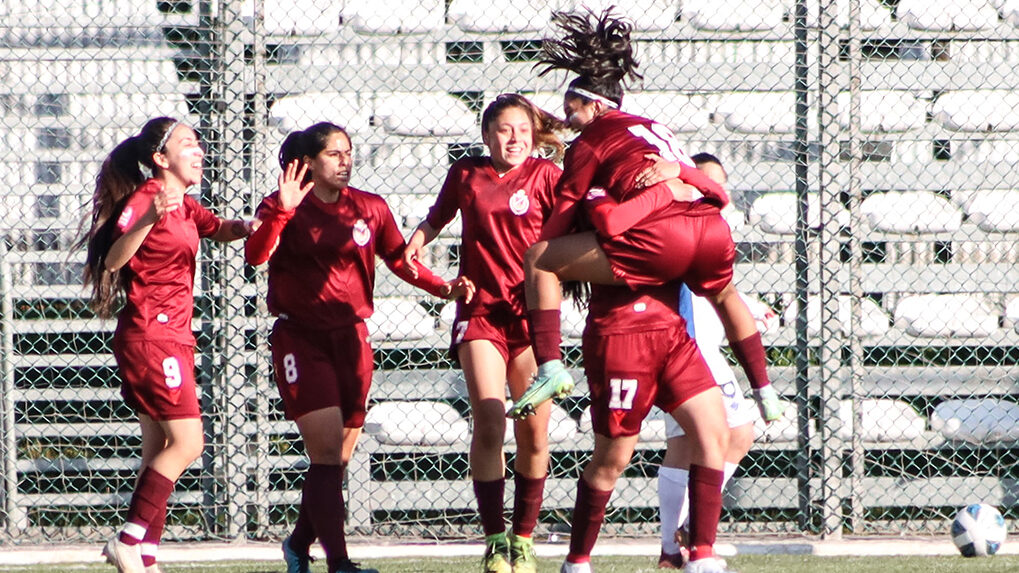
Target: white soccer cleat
(707, 565)
(576, 567)
(126, 558)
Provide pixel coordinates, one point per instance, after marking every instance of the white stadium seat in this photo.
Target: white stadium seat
(883, 420)
(399, 319)
(1009, 10)
(885, 111)
(406, 423)
(873, 321)
(733, 15)
(947, 15)
(646, 15)
(872, 14)
(977, 110)
(977, 420)
(680, 112)
(297, 17)
(944, 315)
(500, 16)
(995, 210)
(776, 213)
(409, 153)
(562, 429)
(911, 212)
(394, 16)
(759, 112)
(425, 114)
(300, 111)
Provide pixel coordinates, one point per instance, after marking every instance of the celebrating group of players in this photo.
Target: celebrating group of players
(628, 213)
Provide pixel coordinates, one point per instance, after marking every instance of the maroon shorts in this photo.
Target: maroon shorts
(697, 250)
(510, 336)
(318, 369)
(158, 378)
(628, 373)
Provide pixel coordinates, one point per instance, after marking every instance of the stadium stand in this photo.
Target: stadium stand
(409, 82)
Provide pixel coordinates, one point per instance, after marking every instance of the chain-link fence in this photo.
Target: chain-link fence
(870, 146)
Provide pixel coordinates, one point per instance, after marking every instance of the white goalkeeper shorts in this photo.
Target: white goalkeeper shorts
(738, 410)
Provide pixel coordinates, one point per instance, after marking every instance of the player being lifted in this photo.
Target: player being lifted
(641, 237)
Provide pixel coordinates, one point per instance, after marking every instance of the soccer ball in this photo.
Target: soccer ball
(978, 530)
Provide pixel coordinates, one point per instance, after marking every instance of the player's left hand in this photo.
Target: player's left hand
(461, 287)
(659, 170)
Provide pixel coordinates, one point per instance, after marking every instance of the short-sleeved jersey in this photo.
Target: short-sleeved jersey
(610, 153)
(322, 274)
(159, 280)
(618, 309)
(502, 217)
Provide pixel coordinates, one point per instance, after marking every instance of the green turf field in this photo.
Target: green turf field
(744, 564)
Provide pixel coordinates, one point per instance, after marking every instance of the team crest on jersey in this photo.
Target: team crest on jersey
(519, 203)
(595, 193)
(362, 234)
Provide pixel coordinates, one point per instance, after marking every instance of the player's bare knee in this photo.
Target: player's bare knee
(741, 439)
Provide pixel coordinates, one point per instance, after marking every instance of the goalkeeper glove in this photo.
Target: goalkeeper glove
(768, 403)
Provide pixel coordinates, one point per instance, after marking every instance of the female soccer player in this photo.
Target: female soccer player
(660, 241)
(142, 243)
(320, 237)
(674, 473)
(504, 199)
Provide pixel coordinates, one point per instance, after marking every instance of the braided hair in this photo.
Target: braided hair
(597, 48)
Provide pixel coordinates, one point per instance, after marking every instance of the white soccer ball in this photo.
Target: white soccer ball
(978, 530)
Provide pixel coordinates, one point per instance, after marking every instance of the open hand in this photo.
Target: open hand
(659, 170)
(291, 189)
(461, 287)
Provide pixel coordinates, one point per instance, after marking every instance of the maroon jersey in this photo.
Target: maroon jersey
(159, 279)
(618, 309)
(502, 217)
(609, 154)
(322, 274)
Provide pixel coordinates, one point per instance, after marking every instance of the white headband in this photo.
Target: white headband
(166, 136)
(593, 96)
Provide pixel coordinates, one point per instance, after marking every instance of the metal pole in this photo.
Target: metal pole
(802, 160)
(831, 343)
(855, 193)
(14, 516)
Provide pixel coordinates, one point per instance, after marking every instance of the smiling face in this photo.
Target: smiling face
(182, 156)
(330, 169)
(510, 138)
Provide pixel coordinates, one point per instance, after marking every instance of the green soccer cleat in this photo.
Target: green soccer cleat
(497, 554)
(522, 555)
(551, 381)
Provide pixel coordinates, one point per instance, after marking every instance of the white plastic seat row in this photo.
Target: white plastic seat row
(107, 14)
(911, 212)
(947, 15)
(400, 113)
(774, 112)
(946, 315)
(428, 423)
(874, 321)
(72, 75)
(977, 110)
(993, 210)
(776, 213)
(397, 319)
(977, 420)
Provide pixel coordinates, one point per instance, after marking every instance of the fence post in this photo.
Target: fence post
(14, 516)
(829, 247)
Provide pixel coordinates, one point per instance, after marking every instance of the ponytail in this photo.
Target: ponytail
(120, 175)
(308, 143)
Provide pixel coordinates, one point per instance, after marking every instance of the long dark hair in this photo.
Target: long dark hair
(595, 47)
(545, 125)
(308, 143)
(120, 175)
